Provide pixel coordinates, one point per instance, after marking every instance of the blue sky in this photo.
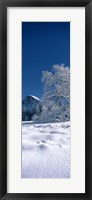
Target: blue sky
(43, 45)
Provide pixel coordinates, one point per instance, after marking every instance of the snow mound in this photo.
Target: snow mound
(46, 150)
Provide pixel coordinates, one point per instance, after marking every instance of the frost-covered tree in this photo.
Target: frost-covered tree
(56, 98)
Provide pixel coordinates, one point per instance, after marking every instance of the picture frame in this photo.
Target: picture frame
(3, 98)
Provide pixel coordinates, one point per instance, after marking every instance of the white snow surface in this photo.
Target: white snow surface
(46, 150)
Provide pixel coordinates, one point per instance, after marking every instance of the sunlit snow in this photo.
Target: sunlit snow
(35, 97)
(46, 150)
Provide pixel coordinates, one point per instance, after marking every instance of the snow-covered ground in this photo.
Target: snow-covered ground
(46, 150)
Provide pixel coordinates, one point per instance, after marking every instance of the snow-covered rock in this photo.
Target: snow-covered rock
(30, 105)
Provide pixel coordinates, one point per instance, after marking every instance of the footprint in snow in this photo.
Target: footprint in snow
(42, 147)
(42, 141)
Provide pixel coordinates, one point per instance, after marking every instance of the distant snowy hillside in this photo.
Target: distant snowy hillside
(46, 150)
(30, 105)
